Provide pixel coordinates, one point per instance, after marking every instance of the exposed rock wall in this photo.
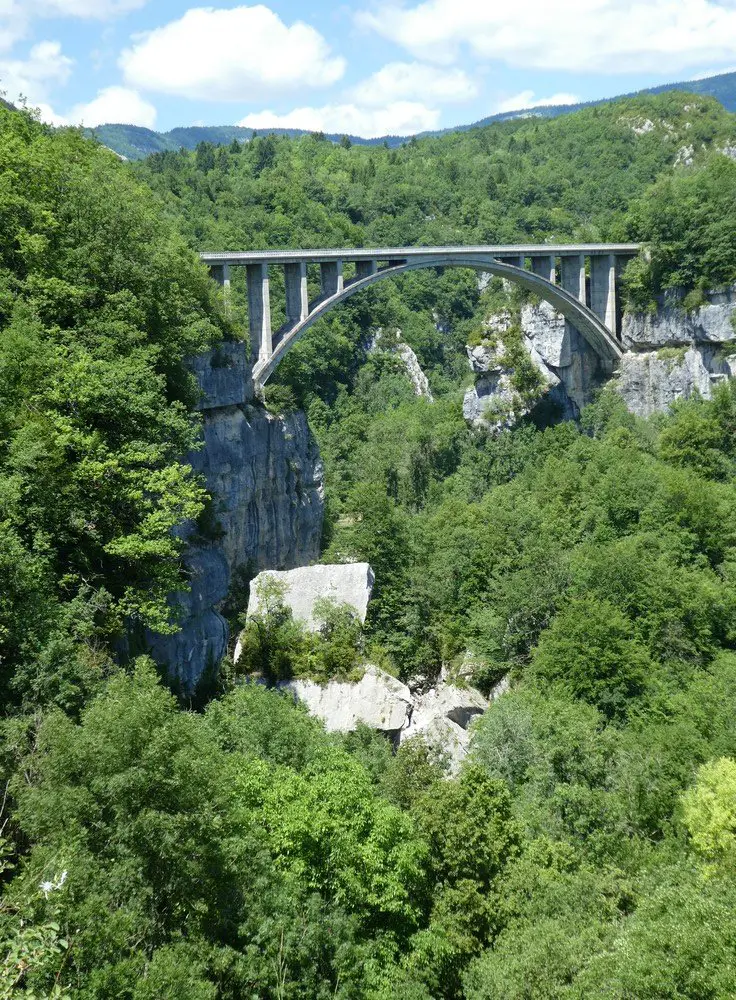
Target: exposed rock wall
(673, 353)
(651, 381)
(265, 476)
(671, 326)
(441, 717)
(393, 342)
(568, 367)
(670, 354)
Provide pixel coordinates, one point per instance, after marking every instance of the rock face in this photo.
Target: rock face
(671, 326)
(673, 353)
(651, 375)
(441, 717)
(265, 476)
(347, 583)
(393, 342)
(650, 383)
(414, 370)
(493, 403)
(378, 700)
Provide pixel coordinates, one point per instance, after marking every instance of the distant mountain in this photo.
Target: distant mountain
(135, 142)
(722, 87)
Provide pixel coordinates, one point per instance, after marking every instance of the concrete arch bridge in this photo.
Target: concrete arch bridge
(556, 273)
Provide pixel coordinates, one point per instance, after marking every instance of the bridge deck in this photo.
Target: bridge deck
(411, 253)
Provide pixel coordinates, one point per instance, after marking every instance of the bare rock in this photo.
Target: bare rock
(442, 717)
(348, 583)
(378, 700)
(650, 382)
(460, 705)
(671, 326)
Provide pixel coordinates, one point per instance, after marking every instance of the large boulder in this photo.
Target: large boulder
(348, 583)
(378, 700)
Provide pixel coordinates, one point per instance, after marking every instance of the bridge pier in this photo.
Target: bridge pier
(221, 274)
(331, 279)
(545, 268)
(259, 311)
(518, 260)
(365, 268)
(603, 290)
(573, 276)
(297, 299)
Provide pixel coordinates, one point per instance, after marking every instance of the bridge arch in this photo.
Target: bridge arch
(590, 326)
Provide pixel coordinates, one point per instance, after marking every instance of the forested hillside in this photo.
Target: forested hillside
(148, 850)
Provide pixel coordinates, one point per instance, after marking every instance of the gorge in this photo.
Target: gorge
(548, 547)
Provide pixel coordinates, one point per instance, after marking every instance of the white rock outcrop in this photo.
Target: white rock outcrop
(394, 343)
(347, 583)
(671, 326)
(377, 700)
(493, 403)
(442, 718)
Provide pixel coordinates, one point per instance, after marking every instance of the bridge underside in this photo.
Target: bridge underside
(557, 275)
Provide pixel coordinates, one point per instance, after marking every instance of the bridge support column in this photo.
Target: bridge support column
(603, 289)
(221, 274)
(364, 268)
(331, 278)
(297, 300)
(518, 260)
(545, 268)
(259, 311)
(573, 275)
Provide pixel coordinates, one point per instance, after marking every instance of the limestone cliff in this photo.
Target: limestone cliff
(670, 354)
(265, 477)
(567, 367)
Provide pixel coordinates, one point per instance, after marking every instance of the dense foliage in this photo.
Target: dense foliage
(586, 849)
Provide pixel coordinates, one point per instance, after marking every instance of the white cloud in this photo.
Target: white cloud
(526, 99)
(95, 9)
(399, 118)
(16, 16)
(414, 81)
(45, 67)
(243, 53)
(112, 106)
(606, 36)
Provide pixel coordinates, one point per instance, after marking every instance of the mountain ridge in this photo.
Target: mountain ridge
(135, 142)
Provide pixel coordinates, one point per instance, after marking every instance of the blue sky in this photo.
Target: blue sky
(368, 67)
